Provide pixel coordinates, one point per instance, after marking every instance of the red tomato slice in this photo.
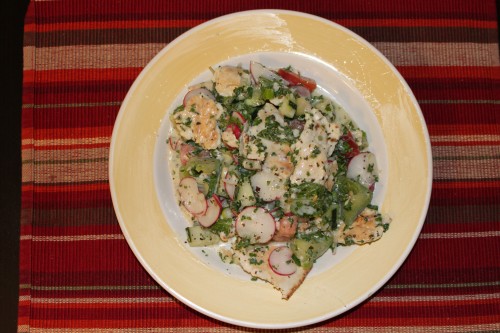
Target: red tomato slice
(352, 143)
(297, 79)
(235, 129)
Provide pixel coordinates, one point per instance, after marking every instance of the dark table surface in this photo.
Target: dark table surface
(12, 13)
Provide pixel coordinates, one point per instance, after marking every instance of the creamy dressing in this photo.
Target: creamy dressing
(270, 155)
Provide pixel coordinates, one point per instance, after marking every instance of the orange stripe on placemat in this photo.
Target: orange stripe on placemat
(101, 303)
(138, 24)
(433, 300)
(449, 72)
(81, 75)
(73, 146)
(126, 25)
(87, 325)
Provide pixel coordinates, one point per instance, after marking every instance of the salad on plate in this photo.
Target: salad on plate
(271, 172)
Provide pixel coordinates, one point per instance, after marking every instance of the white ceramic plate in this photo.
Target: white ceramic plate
(353, 73)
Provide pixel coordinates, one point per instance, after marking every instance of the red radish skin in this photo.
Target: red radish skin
(235, 129)
(191, 197)
(255, 224)
(280, 261)
(239, 116)
(231, 136)
(211, 215)
(217, 199)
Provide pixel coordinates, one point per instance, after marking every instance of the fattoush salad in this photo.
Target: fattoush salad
(271, 172)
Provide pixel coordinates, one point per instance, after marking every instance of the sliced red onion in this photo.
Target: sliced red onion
(301, 91)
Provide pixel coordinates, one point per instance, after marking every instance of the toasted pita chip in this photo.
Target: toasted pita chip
(255, 261)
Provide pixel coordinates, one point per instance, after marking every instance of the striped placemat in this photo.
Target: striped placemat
(77, 273)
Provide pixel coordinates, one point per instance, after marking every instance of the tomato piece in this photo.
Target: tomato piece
(297, 79)
(349, 139)
(235, 129)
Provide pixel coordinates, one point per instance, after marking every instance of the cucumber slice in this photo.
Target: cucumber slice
(308, 248)
(256, 99)
(351, 197)
(206, 171)
(245, 194)
(267, 94)
(303, 105)
(287, 107)
(197, 236)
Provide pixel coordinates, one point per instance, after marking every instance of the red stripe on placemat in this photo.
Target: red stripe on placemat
(73, 133)
(140, 24)
(450, 114)
(449, 72)
(66, 188)
(83, 75)
(469, 129)
(99, 117)
(57, 11)
(85, 195)
(466, 184)
(465, 196)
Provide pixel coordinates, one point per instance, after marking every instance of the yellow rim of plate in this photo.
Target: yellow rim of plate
(164, 256)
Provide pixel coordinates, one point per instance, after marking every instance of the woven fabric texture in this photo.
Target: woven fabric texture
(77, 273)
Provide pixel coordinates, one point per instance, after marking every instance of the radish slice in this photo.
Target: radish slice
(195, 92)
(267, 185)
(238, 116)
(363, 168)
(211, 215)
(257, 70)
(231, 179)
(280, 261)
(191, 197)
(230, 182)
(256, 224)
(251, 164)
(230, 139)
(235, 159)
